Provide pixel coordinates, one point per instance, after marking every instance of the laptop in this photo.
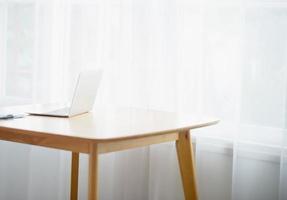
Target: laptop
(83, 98)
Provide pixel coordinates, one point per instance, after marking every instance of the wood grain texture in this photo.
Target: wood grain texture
(187, 165)
(104, 124)
(108, 130)
(119, 145)
(93, 173)
(45, 140)
(74, 176)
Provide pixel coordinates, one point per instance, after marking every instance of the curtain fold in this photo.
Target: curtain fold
(221, 58)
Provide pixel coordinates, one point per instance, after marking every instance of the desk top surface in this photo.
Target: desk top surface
(107, 123)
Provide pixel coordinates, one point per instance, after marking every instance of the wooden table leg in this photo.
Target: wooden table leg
(93, 173)
(74, 176)
(187, 165)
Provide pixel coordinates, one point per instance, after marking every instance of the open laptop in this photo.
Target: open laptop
(83, 98)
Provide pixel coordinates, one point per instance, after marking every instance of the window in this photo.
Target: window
(17, 50)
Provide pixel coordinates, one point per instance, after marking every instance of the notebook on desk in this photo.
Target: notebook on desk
(83, 97)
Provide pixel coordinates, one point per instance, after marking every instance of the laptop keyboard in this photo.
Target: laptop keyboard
(62, 111)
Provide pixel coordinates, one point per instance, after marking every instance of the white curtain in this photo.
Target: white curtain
(222, 58)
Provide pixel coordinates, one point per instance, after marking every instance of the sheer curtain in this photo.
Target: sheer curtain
(222, 58)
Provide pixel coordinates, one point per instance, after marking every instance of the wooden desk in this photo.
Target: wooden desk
(108, 130)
